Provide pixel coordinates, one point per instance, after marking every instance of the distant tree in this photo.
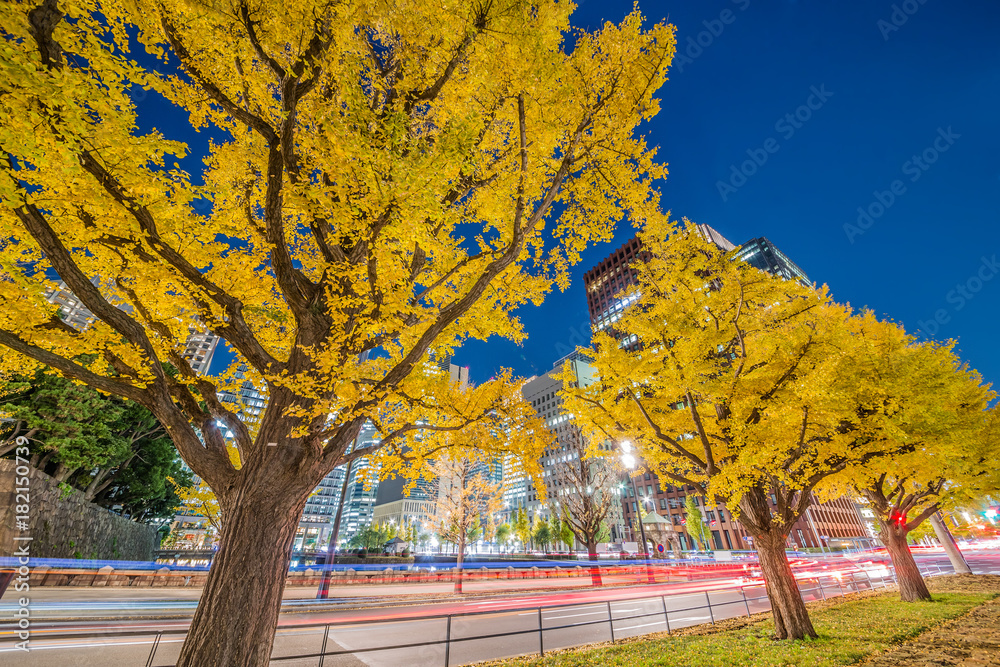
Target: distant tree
(566, 535)
(412, 534)
(198, 500)
(694, 522)
(503, 534)
(490, 530)
(465, 494)
(371, 538)
(542, 534)
(946, 458)
(555, 530)
(591, 494)
(475, 534)
(522, 528)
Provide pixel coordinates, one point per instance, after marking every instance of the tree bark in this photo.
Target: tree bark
(44, 462)
(63, 472)
(791, 619)
(595, 570)
(912, 586)
(950, 547)
(236, 618)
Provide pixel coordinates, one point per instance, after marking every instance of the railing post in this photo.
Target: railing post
(447, 644)
(841, 586)
(821, 591)
(611, 623)
(541, 634)
(744, 594)
(152, 651)
(710, 612)
(322, 651)
(666, 616)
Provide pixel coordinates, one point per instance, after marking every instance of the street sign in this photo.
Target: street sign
(659, 547)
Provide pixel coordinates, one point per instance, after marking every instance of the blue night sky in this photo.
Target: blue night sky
(911, 102)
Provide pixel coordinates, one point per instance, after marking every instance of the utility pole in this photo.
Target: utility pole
(642, 531)
(950, 547)
(812, 525)
(331, 549)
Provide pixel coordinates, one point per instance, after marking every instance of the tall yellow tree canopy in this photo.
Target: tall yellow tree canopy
(756, 389)
(382, 179)
(746, 384)
(945, 444)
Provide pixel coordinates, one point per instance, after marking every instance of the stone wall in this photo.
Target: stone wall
(64, 525)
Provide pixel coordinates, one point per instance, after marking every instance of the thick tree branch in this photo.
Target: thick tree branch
(252, 121)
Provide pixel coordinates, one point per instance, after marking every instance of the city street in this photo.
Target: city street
(363, 621)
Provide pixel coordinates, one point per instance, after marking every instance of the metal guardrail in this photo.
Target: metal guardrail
(854, 584)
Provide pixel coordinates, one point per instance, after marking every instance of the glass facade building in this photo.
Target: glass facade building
(764, 255)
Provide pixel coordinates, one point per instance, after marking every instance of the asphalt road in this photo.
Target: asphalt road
(361, 629)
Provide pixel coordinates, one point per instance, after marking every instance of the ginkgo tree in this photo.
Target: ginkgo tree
(745, 386)
(462, 467)
(341, 188)
(586, 490)
(945, 458)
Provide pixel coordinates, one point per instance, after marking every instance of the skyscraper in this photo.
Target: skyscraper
(569, 446)
(764, 255)
(606, 282)
(199, 346)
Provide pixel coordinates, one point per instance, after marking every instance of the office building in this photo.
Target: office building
(764, 255)
(247, 400)
(199, 346)
(606, 283)
(542, 393)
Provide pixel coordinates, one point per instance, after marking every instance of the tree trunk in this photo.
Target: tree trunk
(44, 462)
(791, 619)
(595, 570)
(91, 491)
(912, 586)
(950, 547)
(459, 559)
(236, 619)
(63, 472)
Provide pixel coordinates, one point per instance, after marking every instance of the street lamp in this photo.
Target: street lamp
(629, 462)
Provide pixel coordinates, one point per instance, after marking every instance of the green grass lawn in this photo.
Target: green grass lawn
(848, 632)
